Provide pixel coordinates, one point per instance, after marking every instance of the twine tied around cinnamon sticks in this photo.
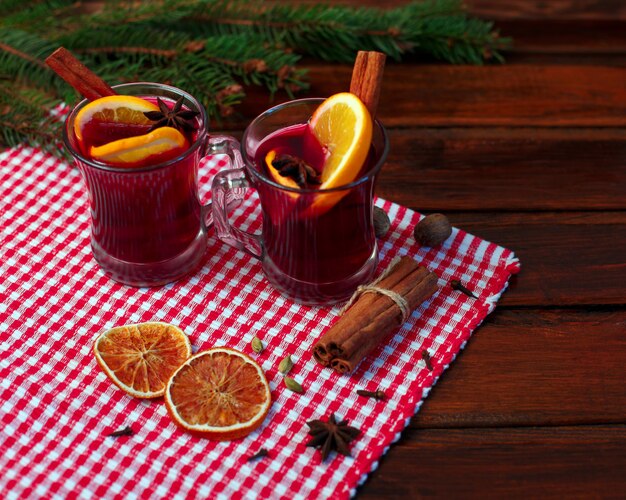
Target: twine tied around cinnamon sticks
(371, 317)
(373, 288)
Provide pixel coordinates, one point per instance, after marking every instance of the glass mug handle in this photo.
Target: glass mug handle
(227, 191)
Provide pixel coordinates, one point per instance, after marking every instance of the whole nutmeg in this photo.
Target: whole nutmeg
(381, 222)
(432, 230)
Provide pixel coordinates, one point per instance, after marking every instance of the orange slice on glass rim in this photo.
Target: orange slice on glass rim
(167, 142)
(141, 358)
(114, 109)
(342, 124)
(220, 393)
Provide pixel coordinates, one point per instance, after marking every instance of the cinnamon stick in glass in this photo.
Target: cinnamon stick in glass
(367, 77)
(74, 72)
(374, 316)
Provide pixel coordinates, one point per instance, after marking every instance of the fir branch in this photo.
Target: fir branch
(160, 53)
(22, 55)
(25, 116)
(336, 33)
(439, 28)
(228, 61)
(40, 15)
(211, 48)
(249, 61)
(141, 13)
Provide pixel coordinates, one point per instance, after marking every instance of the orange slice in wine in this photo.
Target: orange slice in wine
(220, 393)
(115, 109)
(141, 358)
(166, 142)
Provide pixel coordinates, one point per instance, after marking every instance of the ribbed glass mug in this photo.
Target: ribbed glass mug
(316, 245)
(148, 226)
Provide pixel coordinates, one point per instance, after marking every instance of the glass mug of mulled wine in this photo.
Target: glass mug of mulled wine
(148, 226)
(317, 245)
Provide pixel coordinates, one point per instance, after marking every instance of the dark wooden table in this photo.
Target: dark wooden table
(531, 155)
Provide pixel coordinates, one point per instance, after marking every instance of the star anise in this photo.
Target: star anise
(332, 436)
(300, 171)
(181, 119)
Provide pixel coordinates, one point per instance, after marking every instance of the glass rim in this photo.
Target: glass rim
(369, 174)
(202, 133)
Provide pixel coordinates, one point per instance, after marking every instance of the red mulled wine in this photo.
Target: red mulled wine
(146, 215)
(314, 236)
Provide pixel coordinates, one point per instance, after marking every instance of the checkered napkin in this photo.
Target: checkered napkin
(57, 406)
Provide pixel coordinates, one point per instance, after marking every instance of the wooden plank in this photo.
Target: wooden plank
(554, 9)
(513, 9)
(558, 462)
(569, 258)
(562, 37)
(541, 30)
(506, 169)
(567, 58)
(519, 95)
(555, 28)
(496, 169)
(534, 367)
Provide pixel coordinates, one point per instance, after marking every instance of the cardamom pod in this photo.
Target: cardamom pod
(257, 345)
(292, 385)
(285, 365)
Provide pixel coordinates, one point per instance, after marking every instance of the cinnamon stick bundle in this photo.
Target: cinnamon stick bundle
(374, 316)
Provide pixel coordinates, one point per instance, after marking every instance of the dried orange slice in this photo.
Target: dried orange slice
(140, 358)
(219, 393)
(342, 124)
(166, 142)
(121, 109)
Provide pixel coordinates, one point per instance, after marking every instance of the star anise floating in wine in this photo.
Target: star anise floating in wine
(332, 436)
(177, 117)
(300, 171)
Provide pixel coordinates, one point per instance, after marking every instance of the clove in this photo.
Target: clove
(458, 286)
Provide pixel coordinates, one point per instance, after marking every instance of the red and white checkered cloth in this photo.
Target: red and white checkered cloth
(57, 406)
